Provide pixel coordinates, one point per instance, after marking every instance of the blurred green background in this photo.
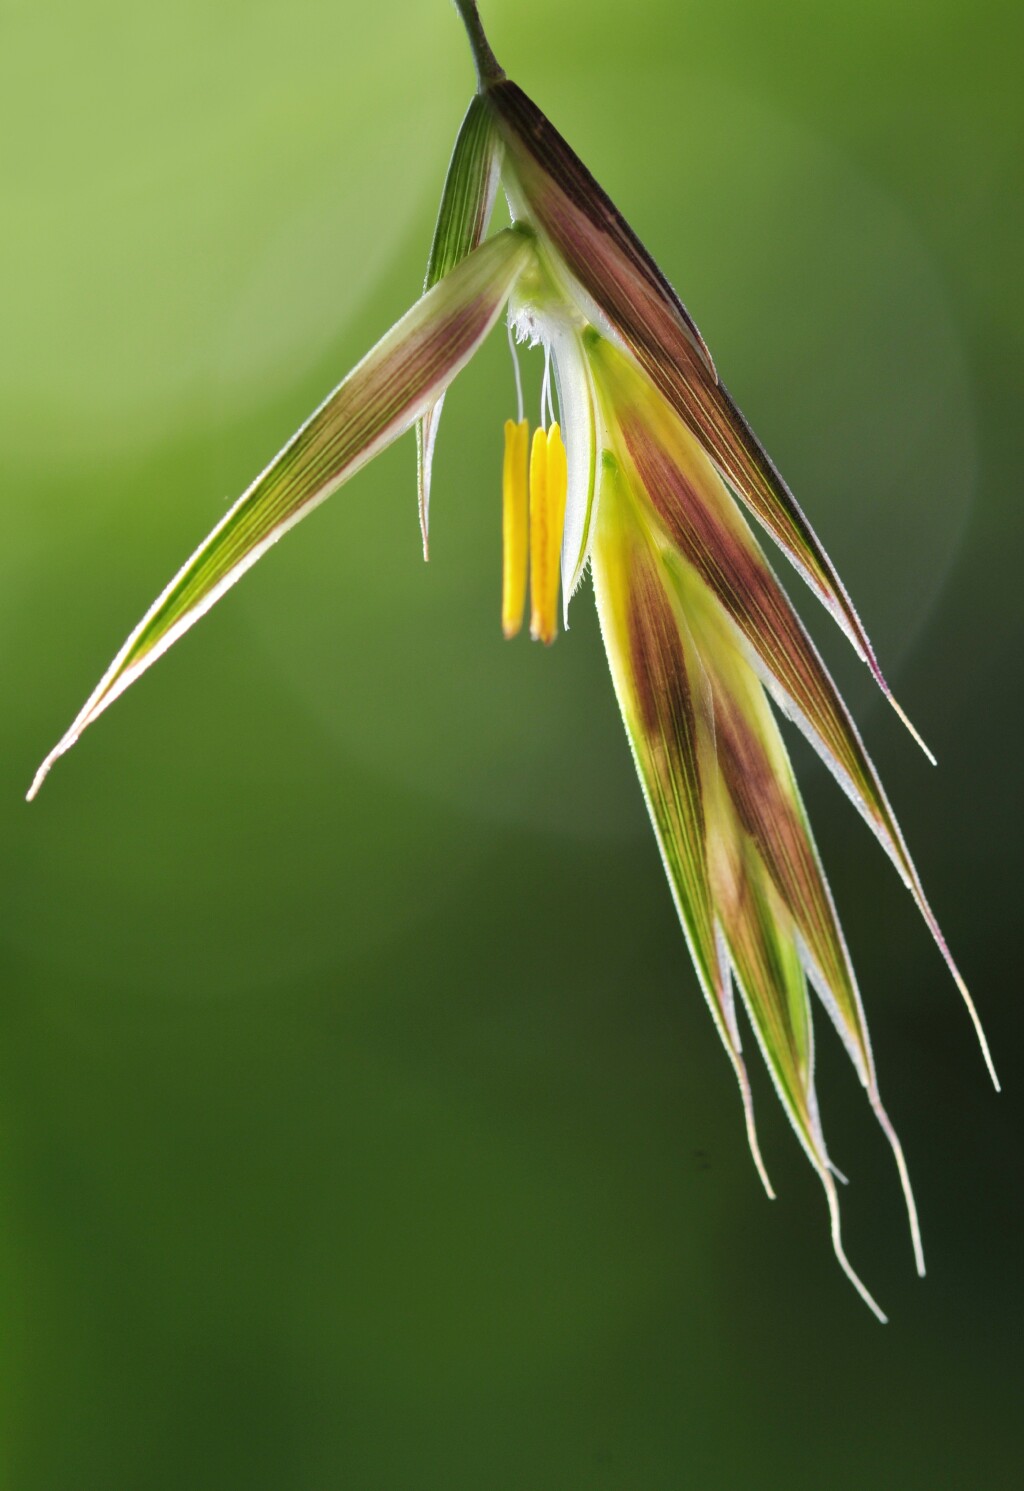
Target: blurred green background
(360, 1120)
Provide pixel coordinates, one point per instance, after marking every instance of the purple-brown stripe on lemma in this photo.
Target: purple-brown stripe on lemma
(736, 572)
(667, 733)
(768, 811)
(557, 158)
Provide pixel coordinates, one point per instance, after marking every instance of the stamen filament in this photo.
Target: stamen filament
(514, 527)
(546, 412)
(548, 483)
(515, 368)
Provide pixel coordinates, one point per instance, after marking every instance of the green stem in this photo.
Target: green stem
(488, 70)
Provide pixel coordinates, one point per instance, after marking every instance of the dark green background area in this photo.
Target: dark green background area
(361, 1123)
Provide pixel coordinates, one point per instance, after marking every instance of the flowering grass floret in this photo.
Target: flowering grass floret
(636, 470)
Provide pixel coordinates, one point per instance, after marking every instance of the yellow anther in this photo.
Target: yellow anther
(548, 480)
(514, 521)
